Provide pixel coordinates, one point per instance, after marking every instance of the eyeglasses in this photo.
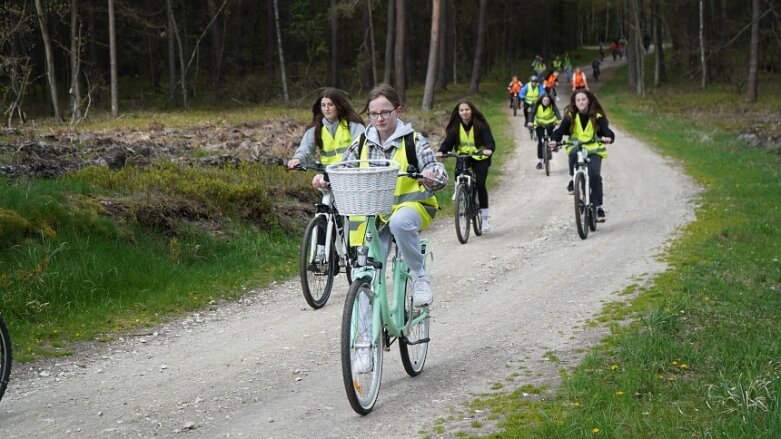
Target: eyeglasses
(382, 114)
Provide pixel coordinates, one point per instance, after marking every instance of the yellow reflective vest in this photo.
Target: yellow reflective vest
(408, 193)
(466, 143)
(544, 115)
(587, 134)
(335, 146)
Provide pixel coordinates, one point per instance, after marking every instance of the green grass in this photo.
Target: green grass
(699, 356)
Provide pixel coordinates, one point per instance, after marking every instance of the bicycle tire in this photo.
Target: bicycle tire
(5, 357)
(461, 214)
(317, 279)
(362, 388)
(546, 154)
(413, 351)
(592, 218)
(477, 220)
(581, 209)
(515, 106)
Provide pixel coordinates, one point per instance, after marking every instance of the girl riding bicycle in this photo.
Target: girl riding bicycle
(334, 126)
(585, 121)
(545, 115)
(467, 132)
(388, 138)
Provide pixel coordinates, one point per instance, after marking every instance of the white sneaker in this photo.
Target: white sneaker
(363, 360)
(421, 291)
(486, 223)
(320, 257)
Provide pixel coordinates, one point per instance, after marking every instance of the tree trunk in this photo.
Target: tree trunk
(182, 69)
(703, 62)
(474, 87)
(372, 44)
(637, 37)
(433, 56)
(389, 49)
(334, 44)
(217, 45)
(367, 62)
(660, 69)
(171, 57)
(75, 58)
(112, 44)
(43, 22)
(400, 54)
(443, 46)
(281, 53)
(751, 93)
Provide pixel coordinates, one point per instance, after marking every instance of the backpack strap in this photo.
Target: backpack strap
(409, 143)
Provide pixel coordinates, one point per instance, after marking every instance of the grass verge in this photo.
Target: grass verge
(700, 356)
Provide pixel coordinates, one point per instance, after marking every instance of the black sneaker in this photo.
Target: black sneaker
(601, 218)
(571, 187)
(539, 165)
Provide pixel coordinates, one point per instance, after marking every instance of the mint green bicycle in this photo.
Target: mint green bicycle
(373, 316)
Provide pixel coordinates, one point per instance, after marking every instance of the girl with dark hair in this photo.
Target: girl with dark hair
(334, 126)
(586, 121)
(468, 132)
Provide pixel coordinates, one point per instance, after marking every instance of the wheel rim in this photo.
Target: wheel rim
(580, 207)
(362, 387)
(316, 277)
(413, 355)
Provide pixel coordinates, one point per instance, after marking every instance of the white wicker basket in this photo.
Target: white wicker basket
(363, 190)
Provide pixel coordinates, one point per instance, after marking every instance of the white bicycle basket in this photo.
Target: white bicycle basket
(363, 190)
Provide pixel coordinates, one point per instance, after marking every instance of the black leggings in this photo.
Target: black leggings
(480, 169)
(542, 130)
(594, 174)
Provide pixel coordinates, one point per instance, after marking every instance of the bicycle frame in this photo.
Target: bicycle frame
(388, 317)
(326, 208)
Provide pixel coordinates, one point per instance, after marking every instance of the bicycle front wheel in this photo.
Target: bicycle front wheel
(317, 275)
(361, 354)
(5, 357)
(546, 154)
(462, 214)
(581, 208)
(413, 346)
(515, 106)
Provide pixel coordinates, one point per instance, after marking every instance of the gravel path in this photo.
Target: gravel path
(267, 366)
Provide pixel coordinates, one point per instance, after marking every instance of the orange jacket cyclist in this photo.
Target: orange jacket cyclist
(468, 132)
(387, 137)
(513, 88)
(585, 121)
(579, 80)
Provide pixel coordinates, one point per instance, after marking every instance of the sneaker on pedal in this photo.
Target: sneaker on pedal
(539, 165)
(485, 222)
(363, 360)
(320, 256)
(601, 218)
(421, 291)
(571, 187)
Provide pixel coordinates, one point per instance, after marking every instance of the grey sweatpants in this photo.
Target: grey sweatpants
(405, 226)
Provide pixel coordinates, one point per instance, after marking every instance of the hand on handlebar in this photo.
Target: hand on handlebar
(319, 182)
(293, 163)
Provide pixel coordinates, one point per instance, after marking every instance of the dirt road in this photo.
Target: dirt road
(268, 366)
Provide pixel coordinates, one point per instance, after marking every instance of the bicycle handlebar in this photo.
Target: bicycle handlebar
(448, 155)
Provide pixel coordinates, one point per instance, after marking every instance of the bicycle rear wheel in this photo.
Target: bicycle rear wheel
(361, 356)
(462, 214)
(477, 219)
(317, 276)
(5, 357)
(581, 209)
(414, 345)
(592, 217)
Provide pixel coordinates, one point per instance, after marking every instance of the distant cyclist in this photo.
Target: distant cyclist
(579, 80)
(546, 116)
(513, 88)
(550, 83)
(585, 121)
(529, 95)
(468, 132)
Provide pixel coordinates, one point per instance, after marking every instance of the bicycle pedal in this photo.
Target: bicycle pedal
(421, 341)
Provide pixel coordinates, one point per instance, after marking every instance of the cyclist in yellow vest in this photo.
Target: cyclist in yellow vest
(546, 116)
(334, 125)
(415, 205)
(585, 121)
(529, 95)
(468, 132)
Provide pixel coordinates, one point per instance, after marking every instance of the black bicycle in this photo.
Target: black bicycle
(324, 249)
(5, 357)
(467, 210)
(585, 210)
(515, 103)
(547, 154)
